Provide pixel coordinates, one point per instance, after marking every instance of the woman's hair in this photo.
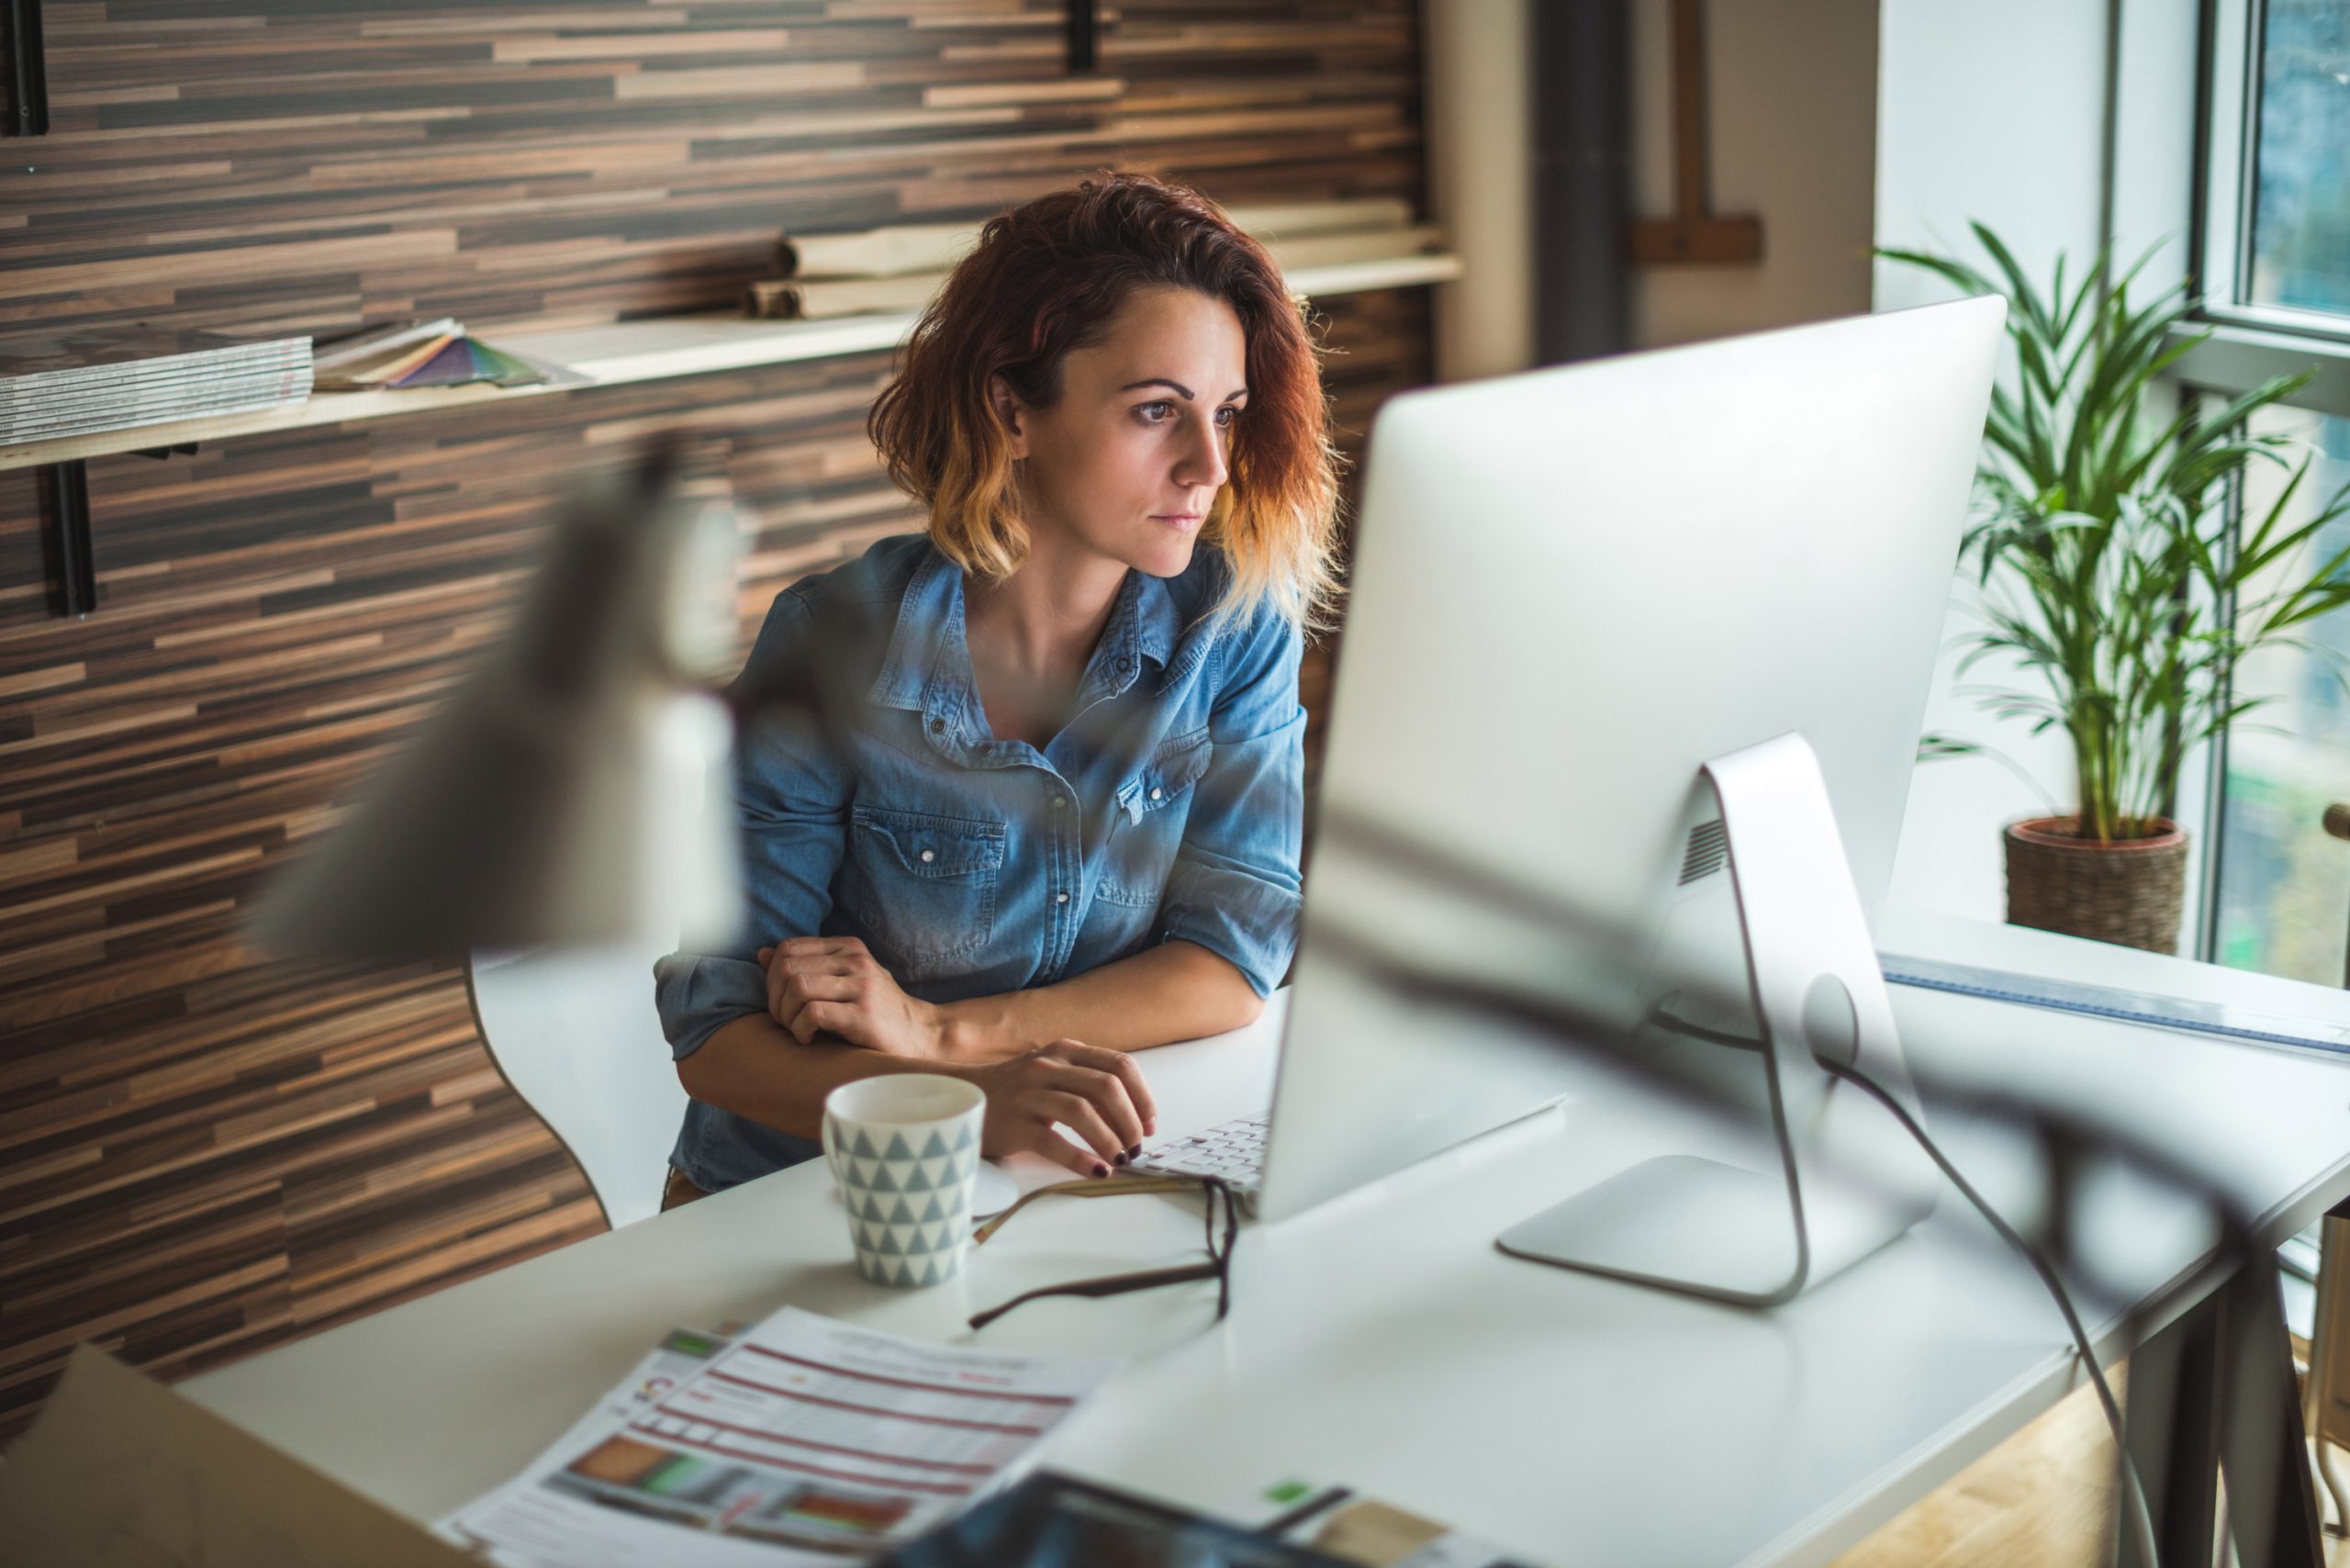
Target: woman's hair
(1045, 278)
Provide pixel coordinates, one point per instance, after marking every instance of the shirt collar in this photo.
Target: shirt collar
(930, 616)
(928, 665)
(1143, 624)
(1157, 624)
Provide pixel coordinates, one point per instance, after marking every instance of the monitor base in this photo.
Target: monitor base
(1696, 1225)
(1843, 1177)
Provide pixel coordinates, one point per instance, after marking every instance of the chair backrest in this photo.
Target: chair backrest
(577, 1034)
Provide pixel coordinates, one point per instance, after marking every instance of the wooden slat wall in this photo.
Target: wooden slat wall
(202, 1153)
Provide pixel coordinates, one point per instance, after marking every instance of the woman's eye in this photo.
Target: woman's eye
(1156, 413)
(1227, 416)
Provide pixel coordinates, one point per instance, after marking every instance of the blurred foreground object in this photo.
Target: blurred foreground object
(573, 791)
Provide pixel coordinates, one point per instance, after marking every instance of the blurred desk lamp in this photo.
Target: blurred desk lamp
(573, 792)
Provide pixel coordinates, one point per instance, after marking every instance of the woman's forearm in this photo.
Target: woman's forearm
(754, 1068)
(1177, 991)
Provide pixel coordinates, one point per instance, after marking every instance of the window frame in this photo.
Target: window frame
(2247, 344)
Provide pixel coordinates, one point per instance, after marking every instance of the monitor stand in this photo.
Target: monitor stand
(1838, 1178)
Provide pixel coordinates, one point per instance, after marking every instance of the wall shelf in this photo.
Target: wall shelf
(628, 351)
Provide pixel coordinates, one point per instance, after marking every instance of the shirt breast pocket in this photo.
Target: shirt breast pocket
(924, 885)
(1147, 827)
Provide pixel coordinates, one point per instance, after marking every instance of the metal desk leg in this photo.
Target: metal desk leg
(2213, 1394)
(2170, 1421)
(2272, 1503)
(2325, 1355)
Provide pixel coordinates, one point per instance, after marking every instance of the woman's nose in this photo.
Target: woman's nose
(1203, 462)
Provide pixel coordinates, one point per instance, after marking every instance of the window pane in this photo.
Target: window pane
(2300, 231)
(2284, 893)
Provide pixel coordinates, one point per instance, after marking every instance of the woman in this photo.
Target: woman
(1041, 804)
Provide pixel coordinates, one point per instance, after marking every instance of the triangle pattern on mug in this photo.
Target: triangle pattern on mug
(963, 1138)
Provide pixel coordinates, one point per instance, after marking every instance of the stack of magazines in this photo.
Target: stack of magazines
(89, 380)
(427, 353)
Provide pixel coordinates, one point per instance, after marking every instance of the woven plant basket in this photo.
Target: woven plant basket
(2129, 892)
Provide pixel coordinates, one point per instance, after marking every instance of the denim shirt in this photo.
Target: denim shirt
(878, 805)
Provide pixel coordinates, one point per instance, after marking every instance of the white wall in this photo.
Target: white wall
(2029, 168)
(1792, 102)
(1477, 58)
(1971, 126)
(1793, 106)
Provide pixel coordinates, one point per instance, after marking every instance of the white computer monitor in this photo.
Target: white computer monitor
(1572, 590)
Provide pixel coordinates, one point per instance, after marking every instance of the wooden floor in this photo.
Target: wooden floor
(2040, 1500)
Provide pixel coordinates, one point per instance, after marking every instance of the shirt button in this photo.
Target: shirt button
(928, 856)
(938, 726)
(1060, 898)
(1058, 801)
(1157, 794)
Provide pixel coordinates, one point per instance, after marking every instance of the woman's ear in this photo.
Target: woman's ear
(1008, 408)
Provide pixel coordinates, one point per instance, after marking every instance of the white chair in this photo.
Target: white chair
(576, 1033)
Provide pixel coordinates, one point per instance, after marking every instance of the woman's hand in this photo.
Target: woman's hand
(1096, 1093)
(831, 985)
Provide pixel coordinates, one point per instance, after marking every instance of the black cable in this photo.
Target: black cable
(2031, 1255)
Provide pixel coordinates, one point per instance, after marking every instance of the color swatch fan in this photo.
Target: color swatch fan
(427, 353)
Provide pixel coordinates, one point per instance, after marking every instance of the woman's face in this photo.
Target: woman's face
(1125, 465)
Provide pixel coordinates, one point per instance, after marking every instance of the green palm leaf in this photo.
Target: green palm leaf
(2100, 546)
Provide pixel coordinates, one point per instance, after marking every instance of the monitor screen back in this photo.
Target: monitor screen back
(1571, 588)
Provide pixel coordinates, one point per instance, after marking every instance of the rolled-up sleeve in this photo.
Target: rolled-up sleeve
(1233, 889)
(790, 809)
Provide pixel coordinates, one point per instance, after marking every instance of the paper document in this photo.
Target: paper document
(2111, 1001)
(804, 1442)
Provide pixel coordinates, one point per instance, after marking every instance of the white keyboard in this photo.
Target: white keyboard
(1232, 1152)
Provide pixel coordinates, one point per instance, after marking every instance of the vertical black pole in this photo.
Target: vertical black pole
(27, 70)
(1084, 41)
(67, 492)
(1582, 178)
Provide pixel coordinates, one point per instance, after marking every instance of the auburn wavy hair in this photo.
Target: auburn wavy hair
(1045, 278)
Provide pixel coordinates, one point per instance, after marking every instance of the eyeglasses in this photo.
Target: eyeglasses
(1220, 1238)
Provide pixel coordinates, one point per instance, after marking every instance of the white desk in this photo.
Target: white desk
(1383, 1341)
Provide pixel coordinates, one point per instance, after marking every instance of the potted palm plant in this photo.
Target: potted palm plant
(2110, 564)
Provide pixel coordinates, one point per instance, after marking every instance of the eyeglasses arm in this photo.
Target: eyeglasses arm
(1109, 1285)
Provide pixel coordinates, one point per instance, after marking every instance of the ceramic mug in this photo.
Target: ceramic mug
(904, 1148)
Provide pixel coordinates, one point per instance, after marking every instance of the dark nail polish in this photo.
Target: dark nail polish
(1100, 1169)
(1134, 1153)
(1120, 1157)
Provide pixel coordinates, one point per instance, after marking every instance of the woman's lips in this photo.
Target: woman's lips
(1186, 521)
